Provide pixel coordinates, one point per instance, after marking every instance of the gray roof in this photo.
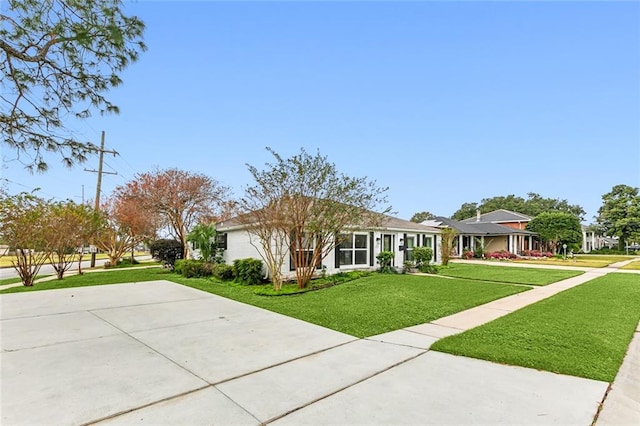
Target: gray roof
(388, 223)
(478, 228)
(501, 215)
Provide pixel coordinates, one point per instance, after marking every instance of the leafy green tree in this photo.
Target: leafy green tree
(57, 60)
(204, 237)
(619, 215)
(557, 228)
(536, 204)
(422, 216)
(465, 211)
(532, 206)
(24, 227)
(509, 202)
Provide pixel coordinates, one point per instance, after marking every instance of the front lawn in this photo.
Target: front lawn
(633, 266)
(364, 307)
(507, 274)
(584, 331)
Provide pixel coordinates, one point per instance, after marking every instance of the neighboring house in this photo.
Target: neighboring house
(358, 252)
(592, 240)
(494, 231)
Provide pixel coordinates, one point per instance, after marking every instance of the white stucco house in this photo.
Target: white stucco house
(358, 252)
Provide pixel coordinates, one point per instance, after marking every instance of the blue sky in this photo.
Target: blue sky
(443, 102)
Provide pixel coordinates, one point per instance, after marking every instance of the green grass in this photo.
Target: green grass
(97, 278)
(17, 280)
(507, 274)
(584, 331)
(582, 260)
(634, 266)
(363, 307)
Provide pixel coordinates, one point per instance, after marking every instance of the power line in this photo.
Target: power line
(98, 186)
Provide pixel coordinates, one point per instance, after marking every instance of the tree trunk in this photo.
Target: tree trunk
(80, 253)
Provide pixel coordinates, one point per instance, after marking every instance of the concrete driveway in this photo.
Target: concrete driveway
(162, 353)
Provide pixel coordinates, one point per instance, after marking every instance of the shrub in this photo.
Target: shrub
(166, 251)
(177, 267)
(384, 260)
(501, 255)
(467, 254)
(248, 271)
(428, 268)
(422, 255)
(479, 252)
(222, 271)
(537, 253)
(196, 269)
(407, 266)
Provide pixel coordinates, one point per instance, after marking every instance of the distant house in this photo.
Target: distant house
(592, 240)
(358, 252)
(494, 231)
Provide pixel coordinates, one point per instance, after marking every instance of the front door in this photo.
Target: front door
(388, 244)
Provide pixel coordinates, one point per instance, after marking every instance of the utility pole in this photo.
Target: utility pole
(99, 185)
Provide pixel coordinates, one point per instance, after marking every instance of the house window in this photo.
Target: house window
(221, 241)
(428, 242)
(353, 249)
(304, 253)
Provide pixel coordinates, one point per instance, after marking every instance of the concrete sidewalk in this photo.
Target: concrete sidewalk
(622, 405)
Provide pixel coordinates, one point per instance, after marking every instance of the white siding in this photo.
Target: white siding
(239, 247)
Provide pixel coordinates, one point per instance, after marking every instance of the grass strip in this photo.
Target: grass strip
(364, 307)
(507, 274)
(584, 331)
(18, 279)
(634, 266)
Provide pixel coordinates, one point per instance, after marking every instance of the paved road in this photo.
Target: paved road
(48, 269)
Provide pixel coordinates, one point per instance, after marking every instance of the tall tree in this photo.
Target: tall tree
(532, 206)
(619, 215)
(125, 224)
(24, 227)
(557, 228)
(58, 58)
(69, 227)
(465, 211)
(180, 198)
(304, 204)
(422, 216)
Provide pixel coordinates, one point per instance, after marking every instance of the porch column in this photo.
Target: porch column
(530, 243)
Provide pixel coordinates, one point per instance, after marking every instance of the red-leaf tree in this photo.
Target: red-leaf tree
(126, 224)
(181, 199)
